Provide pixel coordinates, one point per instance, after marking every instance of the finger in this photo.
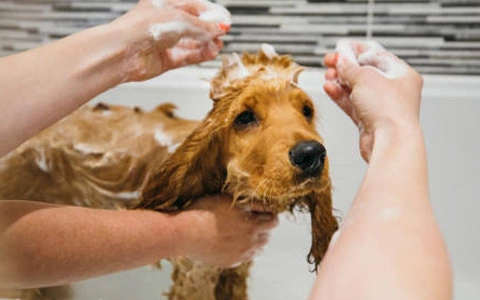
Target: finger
(330, 60)
(346, 49)
(341, 96)
(219, 43)
(206, 11)
(347, 71)
(181, 57)
(192, 7)
(190, 44)
(372, 54)
(170, 33)
(331, 74)
(335, 91)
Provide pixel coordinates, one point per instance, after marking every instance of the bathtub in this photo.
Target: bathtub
(451, 121)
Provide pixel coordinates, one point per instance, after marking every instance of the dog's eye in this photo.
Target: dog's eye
(307, 111)
(244, 119)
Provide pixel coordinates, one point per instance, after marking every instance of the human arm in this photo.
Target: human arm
(44, 244)
(40, 86)
(390, 246)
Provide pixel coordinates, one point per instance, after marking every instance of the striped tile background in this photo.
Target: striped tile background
(436, 36)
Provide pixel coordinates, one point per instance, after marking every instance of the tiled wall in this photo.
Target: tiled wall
(436, 36)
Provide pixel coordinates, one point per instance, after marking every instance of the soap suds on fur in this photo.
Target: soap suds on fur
(269, 50)
(127, 195)
(42, 162)
(162, 138)
(85, 149)
(173, 147)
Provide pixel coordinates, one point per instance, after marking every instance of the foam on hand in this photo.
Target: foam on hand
(217, 14)
(344, 48)
(371, 54)
(176, 28)
(158, 3)
(213, 12)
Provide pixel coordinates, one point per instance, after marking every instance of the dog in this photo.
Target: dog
(258, 143)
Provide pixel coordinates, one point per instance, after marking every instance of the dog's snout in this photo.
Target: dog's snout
(308, 156)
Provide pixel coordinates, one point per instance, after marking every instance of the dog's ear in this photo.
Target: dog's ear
(193, 170)
(233, 70)
(324, 223)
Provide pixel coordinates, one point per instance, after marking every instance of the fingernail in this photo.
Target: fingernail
(224, 27)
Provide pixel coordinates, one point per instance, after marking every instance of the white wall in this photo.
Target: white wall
(451, 121)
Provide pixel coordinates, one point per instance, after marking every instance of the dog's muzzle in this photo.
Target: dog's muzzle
(308, 157)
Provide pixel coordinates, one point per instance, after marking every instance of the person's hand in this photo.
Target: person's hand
(163, 35)
(224, 235)
(374, 87)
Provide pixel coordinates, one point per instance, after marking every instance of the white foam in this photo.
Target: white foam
(127, 195)
(345, 49)
(215, 13)
(173, 147)
(269, 50)
(242, 71)
(387, 64)
(120, 196)
(106, 113)
(375, 57)
(157, 30)
(85, 149)
(179, 28)
(42, 162)
(162, 138)
(159, 3)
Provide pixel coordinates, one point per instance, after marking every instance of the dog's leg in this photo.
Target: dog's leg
(52, 293)
(193, 280)
(232, 283)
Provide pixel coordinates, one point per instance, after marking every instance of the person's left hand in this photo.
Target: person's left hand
(164, 35)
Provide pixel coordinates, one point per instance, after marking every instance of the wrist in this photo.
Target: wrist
(396, 131)
(103, 53)
(185, 228)
(139, 59)
(117, 52)
(403, 136)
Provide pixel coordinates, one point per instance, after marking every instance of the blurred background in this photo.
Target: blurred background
(435, 36)
(440, 38)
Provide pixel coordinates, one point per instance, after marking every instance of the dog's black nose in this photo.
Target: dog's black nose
(309, 157)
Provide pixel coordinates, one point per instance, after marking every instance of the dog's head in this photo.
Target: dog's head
(258, 143)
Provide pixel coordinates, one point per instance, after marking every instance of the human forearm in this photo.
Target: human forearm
(390, 232)
(43, 85)
(42, 244)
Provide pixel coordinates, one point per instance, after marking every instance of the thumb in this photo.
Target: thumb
(347, 71)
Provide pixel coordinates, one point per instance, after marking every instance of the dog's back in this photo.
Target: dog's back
(97, 157)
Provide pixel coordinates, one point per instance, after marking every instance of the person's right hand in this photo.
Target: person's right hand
(374, 87)
(221, 234)
(160, 35)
